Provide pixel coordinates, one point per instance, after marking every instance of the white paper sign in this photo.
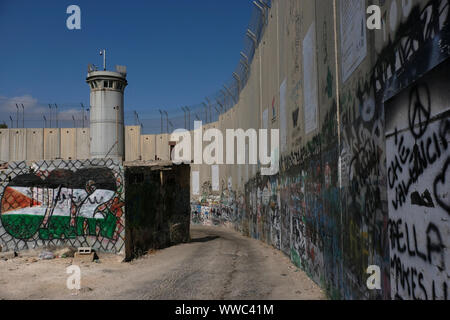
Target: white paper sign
(310, 80)
(353, 36)
(215, 177)
(265, 119)
(195, 182)
(283, 117)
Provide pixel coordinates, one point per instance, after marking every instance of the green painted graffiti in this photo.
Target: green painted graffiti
(25, 226)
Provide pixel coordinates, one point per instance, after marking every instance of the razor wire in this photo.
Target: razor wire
(56, 203)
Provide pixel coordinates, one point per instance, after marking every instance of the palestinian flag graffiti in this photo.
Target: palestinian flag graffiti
(63, 205)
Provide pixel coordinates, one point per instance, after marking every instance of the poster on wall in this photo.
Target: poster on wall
(215, 177)
(353, 36)
(265, 119)
(310, 80)
(195, 183)
(283, 117)
(239, 177)
(247, 168)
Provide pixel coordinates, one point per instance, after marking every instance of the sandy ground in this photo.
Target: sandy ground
(217, 264)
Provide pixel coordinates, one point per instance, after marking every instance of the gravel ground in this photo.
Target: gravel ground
(217, 264)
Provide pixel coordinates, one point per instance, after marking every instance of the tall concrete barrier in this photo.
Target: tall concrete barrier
(35, 144)
(162, 147)
(17, 144)
(52, 143)
(132, 143)
(419, 211)
(364, 146)
(4, 145)
(83, 143)
(68, 143)
(148, 147)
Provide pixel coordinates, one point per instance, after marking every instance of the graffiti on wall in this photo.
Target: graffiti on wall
(415, 44)
(328, 208)
(58, 202)
(218, 208)
(418, 159)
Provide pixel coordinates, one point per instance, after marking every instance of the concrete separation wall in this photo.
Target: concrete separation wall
(148, 147)
(419, 184)
(17, 144)
(364, 134)
(50, 143)
(132, 143)
(83, 143)
(4, 145)
(74, 143)
(69, 143)
(363, 118)
(35, 146)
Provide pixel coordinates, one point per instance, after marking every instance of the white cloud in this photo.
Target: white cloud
(8, 105)
(34, 111)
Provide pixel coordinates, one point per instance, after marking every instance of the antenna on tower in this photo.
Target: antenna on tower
(103, 53)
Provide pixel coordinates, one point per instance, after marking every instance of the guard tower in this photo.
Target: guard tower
(106, 111)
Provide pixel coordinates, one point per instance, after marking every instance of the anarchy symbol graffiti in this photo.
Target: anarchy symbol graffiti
(419, 110)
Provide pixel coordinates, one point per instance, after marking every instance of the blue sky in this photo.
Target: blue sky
(176, 51)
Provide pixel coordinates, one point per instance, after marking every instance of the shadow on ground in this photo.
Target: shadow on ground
(204, 239)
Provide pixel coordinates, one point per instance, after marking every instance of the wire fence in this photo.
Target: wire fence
(52, 115)
(52, 195)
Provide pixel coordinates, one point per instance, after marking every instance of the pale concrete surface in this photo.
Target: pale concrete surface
(68, 143)
(217, 264)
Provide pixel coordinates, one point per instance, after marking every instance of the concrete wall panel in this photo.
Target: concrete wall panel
(162, 146)
(132, 143)
(337, 171)
(17, 145)
(4, 145)
(35, 144)
(68, 143)
(148, 147)
(83, 143)
(52, 143)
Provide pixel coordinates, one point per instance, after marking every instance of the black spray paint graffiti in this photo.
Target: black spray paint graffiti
(335, 233)
(418, 153)
(404, 240)
(423, 200)
(440, 186)
(426, 150)
(421, 27)
(410, 53)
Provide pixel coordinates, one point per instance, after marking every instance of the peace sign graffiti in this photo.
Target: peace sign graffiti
(419, 110)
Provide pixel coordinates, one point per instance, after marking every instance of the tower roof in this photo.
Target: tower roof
(105, 75)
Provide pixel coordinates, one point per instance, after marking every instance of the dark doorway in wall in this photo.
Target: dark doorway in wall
(157, 204)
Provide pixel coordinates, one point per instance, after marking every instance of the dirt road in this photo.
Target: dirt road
(217, 264)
